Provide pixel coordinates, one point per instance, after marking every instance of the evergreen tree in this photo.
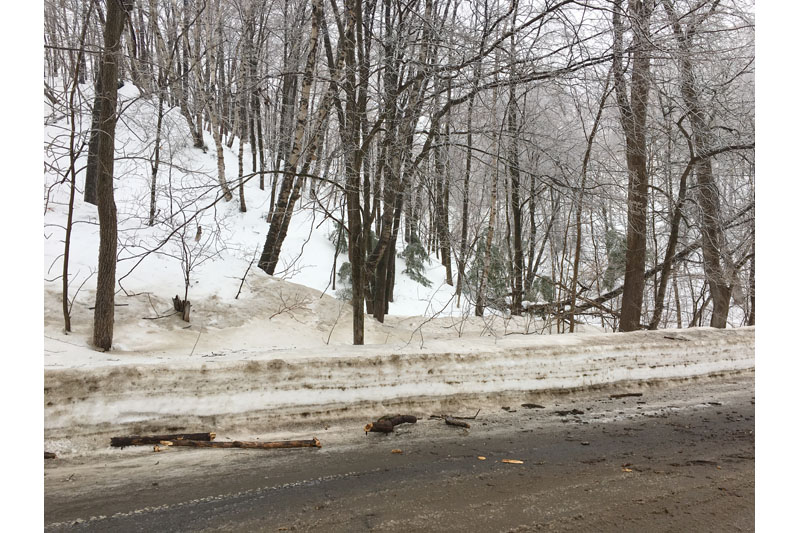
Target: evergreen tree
(416, 258)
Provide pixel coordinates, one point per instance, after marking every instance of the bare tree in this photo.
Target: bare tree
(106, 208)
(633, 114)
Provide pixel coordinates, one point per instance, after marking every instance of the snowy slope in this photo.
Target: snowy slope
(150, 269)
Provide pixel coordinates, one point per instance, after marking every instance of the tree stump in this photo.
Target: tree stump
(183, 307)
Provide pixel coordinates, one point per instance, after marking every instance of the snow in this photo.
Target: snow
(282, 348)
(255, 392)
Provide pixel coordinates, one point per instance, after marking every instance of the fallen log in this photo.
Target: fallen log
(311, 443)
(386, 424)
(626, 395)
(146, 440)
(49, 455)
(450, 421)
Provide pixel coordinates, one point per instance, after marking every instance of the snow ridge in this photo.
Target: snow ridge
(264, 391)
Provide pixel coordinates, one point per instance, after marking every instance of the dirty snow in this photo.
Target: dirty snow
(255, 392)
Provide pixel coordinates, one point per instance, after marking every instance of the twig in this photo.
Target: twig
(457, 417)
(153, 307)
(467, 417)
(65, 342)
(159, 317)
(341, 309)
(245, 274)
(288, 307)
(432, 317)
(72, 301)
(195, 342)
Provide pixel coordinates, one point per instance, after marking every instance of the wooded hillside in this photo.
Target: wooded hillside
(585, 161)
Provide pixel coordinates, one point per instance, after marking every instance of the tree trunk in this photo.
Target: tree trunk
(156, 153)
(480, 302)
(714, 247)
(106, 208)
(282, 214)
(462, 260)
(677, 216)
(579, 210)
(183, 87)
(634, 123)
(517, 262)
(213, 105)
(90, 185)
(73, 155)
(443, 201)
(751, 314)
(243, 123)
(530, 272)
(288, 98)
(351, 132)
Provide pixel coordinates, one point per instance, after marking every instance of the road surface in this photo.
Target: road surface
(680, 457)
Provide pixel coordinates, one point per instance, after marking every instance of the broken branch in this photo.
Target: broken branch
(451, 421)
(386, 424)
(143, 440)
(311, 443)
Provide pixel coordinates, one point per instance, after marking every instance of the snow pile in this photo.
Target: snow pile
(258, 392)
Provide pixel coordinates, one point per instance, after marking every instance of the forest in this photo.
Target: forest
(587, 161)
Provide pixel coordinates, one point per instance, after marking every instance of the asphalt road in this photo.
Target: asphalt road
(680, 457)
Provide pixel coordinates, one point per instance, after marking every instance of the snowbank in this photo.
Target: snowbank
(260, 392)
